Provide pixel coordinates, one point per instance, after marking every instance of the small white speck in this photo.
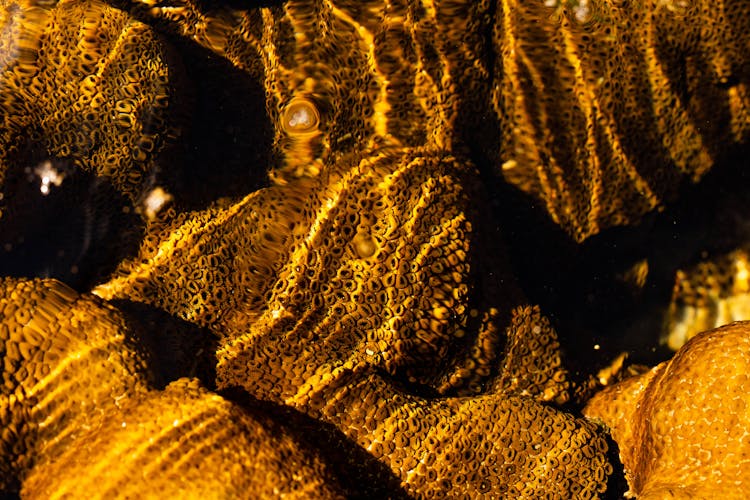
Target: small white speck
(49, 175)
(582, 11)
(156, 200)
(510, 165)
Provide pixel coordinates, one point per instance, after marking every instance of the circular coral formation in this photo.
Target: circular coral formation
(300, 116)
(681, 427)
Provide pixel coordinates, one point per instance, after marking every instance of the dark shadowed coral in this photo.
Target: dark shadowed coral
(411, 75)
(605, 108)
(602, 110)
(682, 426)
(85, 83)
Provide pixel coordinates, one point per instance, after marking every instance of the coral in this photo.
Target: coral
(85, 82)
(326, 285)
(494, 444)
(604, 115)
(411, 75)
(602, 111)
(377, 261)
(366, 285)
(680, 427)
(81, 416)
(708, 294)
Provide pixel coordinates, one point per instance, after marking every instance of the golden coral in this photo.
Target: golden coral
(379, 261)
(336, 290)
(601, 110)
(85, 83)
(711, 293)
(494, 444)
(81, 416)
(681, 427)
(364, 287)
(603, 116)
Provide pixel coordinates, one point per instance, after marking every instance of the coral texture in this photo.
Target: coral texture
(81, 415)
(365, 286)
(680, 427)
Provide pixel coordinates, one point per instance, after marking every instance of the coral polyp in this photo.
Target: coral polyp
(300, 116)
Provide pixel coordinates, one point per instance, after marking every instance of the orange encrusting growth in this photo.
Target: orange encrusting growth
(681, 427)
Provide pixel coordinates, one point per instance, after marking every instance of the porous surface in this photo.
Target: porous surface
(680, 427)
(335, 296)
(712, 292)
(81, 417)
(366, 284)
(376, 262)
(85, 83)
(607, 108)
(599, 110)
